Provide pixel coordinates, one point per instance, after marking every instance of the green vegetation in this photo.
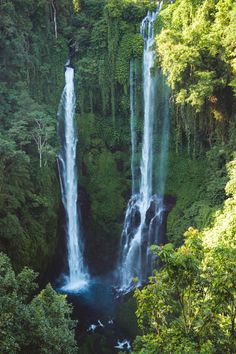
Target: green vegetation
(28, 324)
(33, 51)
(196, 48)
(105, 37)
(198, 185)
(189, 305)
(194, 51)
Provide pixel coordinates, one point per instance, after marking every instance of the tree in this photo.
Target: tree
(196, 49)
(173, 308)
(32, 123)
(42, 132)
(38, 325)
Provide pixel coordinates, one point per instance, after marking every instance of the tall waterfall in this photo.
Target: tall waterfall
(77, 273)
(133, 123)
(145, 209)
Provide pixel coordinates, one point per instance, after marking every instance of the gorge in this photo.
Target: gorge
(123, 197)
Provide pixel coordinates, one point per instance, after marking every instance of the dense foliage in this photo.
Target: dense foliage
(195, 46)
(194, 51)
(106, 35)
(190, 304)
(199, 187)
(33, 51)
(197, 49)
(32, 325)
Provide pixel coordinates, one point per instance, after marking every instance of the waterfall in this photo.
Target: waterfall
(77, 274)
(133, 123)
(145, 209)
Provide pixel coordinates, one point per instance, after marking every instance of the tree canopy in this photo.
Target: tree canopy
(32, 323)
(190, 304)
(196, 48)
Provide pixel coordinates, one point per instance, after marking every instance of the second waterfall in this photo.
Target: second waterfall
(145, 208)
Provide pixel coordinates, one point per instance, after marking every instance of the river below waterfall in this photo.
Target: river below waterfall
(106, 321)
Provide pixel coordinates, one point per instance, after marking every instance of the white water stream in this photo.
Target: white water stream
(77, 273)
(141, 231)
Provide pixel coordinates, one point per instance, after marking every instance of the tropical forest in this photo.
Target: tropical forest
(118, 176)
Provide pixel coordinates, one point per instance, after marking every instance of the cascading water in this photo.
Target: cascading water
(144, 211)
(77, 272)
